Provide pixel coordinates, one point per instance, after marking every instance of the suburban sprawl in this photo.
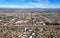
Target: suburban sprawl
(29, 23)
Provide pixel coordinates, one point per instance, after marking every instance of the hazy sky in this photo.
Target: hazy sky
(29, 3)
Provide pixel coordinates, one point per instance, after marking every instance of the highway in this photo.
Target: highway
(50, 26)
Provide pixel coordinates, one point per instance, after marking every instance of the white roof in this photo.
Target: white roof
(33, 33)
(22, 21)
(1, 20)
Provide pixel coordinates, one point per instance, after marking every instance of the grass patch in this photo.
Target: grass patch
(47, 23)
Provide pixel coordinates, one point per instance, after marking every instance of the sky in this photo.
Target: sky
(29, 3)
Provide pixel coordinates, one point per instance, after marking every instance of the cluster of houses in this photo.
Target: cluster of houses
(20, 20)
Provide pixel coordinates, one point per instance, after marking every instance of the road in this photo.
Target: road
(52, 26)
(45, 18)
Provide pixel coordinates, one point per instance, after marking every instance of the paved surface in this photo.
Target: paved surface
(54, 26)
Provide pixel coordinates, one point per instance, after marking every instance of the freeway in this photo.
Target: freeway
(50, 26)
